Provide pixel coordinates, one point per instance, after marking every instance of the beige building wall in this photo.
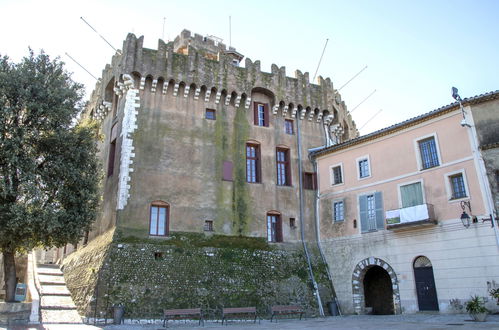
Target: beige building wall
(465, 260)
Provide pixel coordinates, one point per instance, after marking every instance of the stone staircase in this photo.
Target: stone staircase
(56, 304)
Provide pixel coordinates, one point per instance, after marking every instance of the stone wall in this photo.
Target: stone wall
(192, 270)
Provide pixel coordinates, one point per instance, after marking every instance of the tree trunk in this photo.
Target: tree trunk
(9, 268)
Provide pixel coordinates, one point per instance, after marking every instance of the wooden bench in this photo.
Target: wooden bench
(182, 314)
(285, 310)
(238, 312)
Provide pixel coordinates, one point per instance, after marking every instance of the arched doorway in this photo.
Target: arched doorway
(367, 275)
(378, 291)
(425, 284)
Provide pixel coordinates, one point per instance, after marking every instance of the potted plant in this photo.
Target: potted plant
(495, 294)
(476, 308)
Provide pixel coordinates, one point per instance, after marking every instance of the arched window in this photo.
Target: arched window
(274, 227)
(159, 219)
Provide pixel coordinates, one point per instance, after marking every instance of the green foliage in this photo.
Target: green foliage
(48, 169)
(495, 294)
(196, 240)
(476, 305)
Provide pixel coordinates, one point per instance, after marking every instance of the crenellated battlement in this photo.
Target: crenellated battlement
(189, 64)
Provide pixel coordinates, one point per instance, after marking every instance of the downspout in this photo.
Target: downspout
(480, 166)
(318, 234)
(307, 255)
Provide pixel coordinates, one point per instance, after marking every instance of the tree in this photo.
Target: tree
(49, 172)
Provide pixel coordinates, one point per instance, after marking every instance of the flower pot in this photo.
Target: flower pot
(479, 317)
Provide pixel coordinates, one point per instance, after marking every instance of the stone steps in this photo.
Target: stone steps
(56, 304)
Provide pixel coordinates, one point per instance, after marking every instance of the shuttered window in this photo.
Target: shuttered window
(371, 212)
(261, 114)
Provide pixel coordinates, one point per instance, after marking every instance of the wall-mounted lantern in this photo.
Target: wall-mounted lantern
(465, 218)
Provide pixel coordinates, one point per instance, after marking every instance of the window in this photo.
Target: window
(338, 211)
(227, 171)
(274, 227)
(283, 170)
(428, 153)
(210, 114)
(158, 222)
(411, 194)
(371, 212)
(292, 223)
(336, 174)
(112, 151)
(458, 189)
(253, 163)
(208, 225)
(363, 168)
(288, 126)
(261, 114)
(310, 180)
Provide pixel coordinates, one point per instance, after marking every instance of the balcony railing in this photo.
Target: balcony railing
(419, 215)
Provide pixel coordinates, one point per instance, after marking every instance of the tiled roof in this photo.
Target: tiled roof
(406, 123)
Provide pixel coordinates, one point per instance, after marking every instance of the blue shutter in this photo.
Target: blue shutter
(380, 219)
(363, 213)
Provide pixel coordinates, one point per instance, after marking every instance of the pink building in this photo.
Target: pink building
(390, 208)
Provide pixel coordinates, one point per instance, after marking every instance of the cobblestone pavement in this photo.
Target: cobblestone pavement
(377, 322)
(358, 322)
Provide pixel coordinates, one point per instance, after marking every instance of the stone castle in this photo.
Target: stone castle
(208, 192)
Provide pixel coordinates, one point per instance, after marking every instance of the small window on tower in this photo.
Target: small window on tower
(292, 223)
(210, 114)
(208, 225)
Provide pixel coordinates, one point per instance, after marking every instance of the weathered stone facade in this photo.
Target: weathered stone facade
(162, 148)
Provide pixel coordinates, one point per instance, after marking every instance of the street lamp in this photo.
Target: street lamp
(465, 218)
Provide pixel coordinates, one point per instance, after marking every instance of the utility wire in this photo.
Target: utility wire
(99, 34)
(323, 50)
(374, 91)
(81, 66)
(339, 89)
(377, 113)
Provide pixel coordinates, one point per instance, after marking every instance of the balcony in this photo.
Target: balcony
(414, 216)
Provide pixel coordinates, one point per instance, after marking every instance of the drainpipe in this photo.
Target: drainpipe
(480, 166)
(318, 234)
(300, 177)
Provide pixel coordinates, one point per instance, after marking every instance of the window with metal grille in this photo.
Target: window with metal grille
(337, 175)
(338, 211)
(428, 153)
(364, 168)
(458, 190)
(283, 171)
(253, 163)
(208, 225)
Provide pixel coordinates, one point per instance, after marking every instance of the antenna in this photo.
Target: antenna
(323, 50)
(374, 91)
(99, 35)
(81, 66)
(377, 113)
(164, 20)
(230, 32)
(339, 89)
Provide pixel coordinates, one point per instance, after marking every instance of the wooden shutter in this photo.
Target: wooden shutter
(267, 117)
(255, 113)
(227, 171)
(278, 228)
(363, 214)
(288, 167)
(380, 219)
(258, 164)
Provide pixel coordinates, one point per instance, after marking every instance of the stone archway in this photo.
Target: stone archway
(358, 276)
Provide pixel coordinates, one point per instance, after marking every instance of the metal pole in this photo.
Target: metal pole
(307, 255)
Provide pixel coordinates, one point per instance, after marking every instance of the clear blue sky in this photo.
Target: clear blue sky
(415, 50)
